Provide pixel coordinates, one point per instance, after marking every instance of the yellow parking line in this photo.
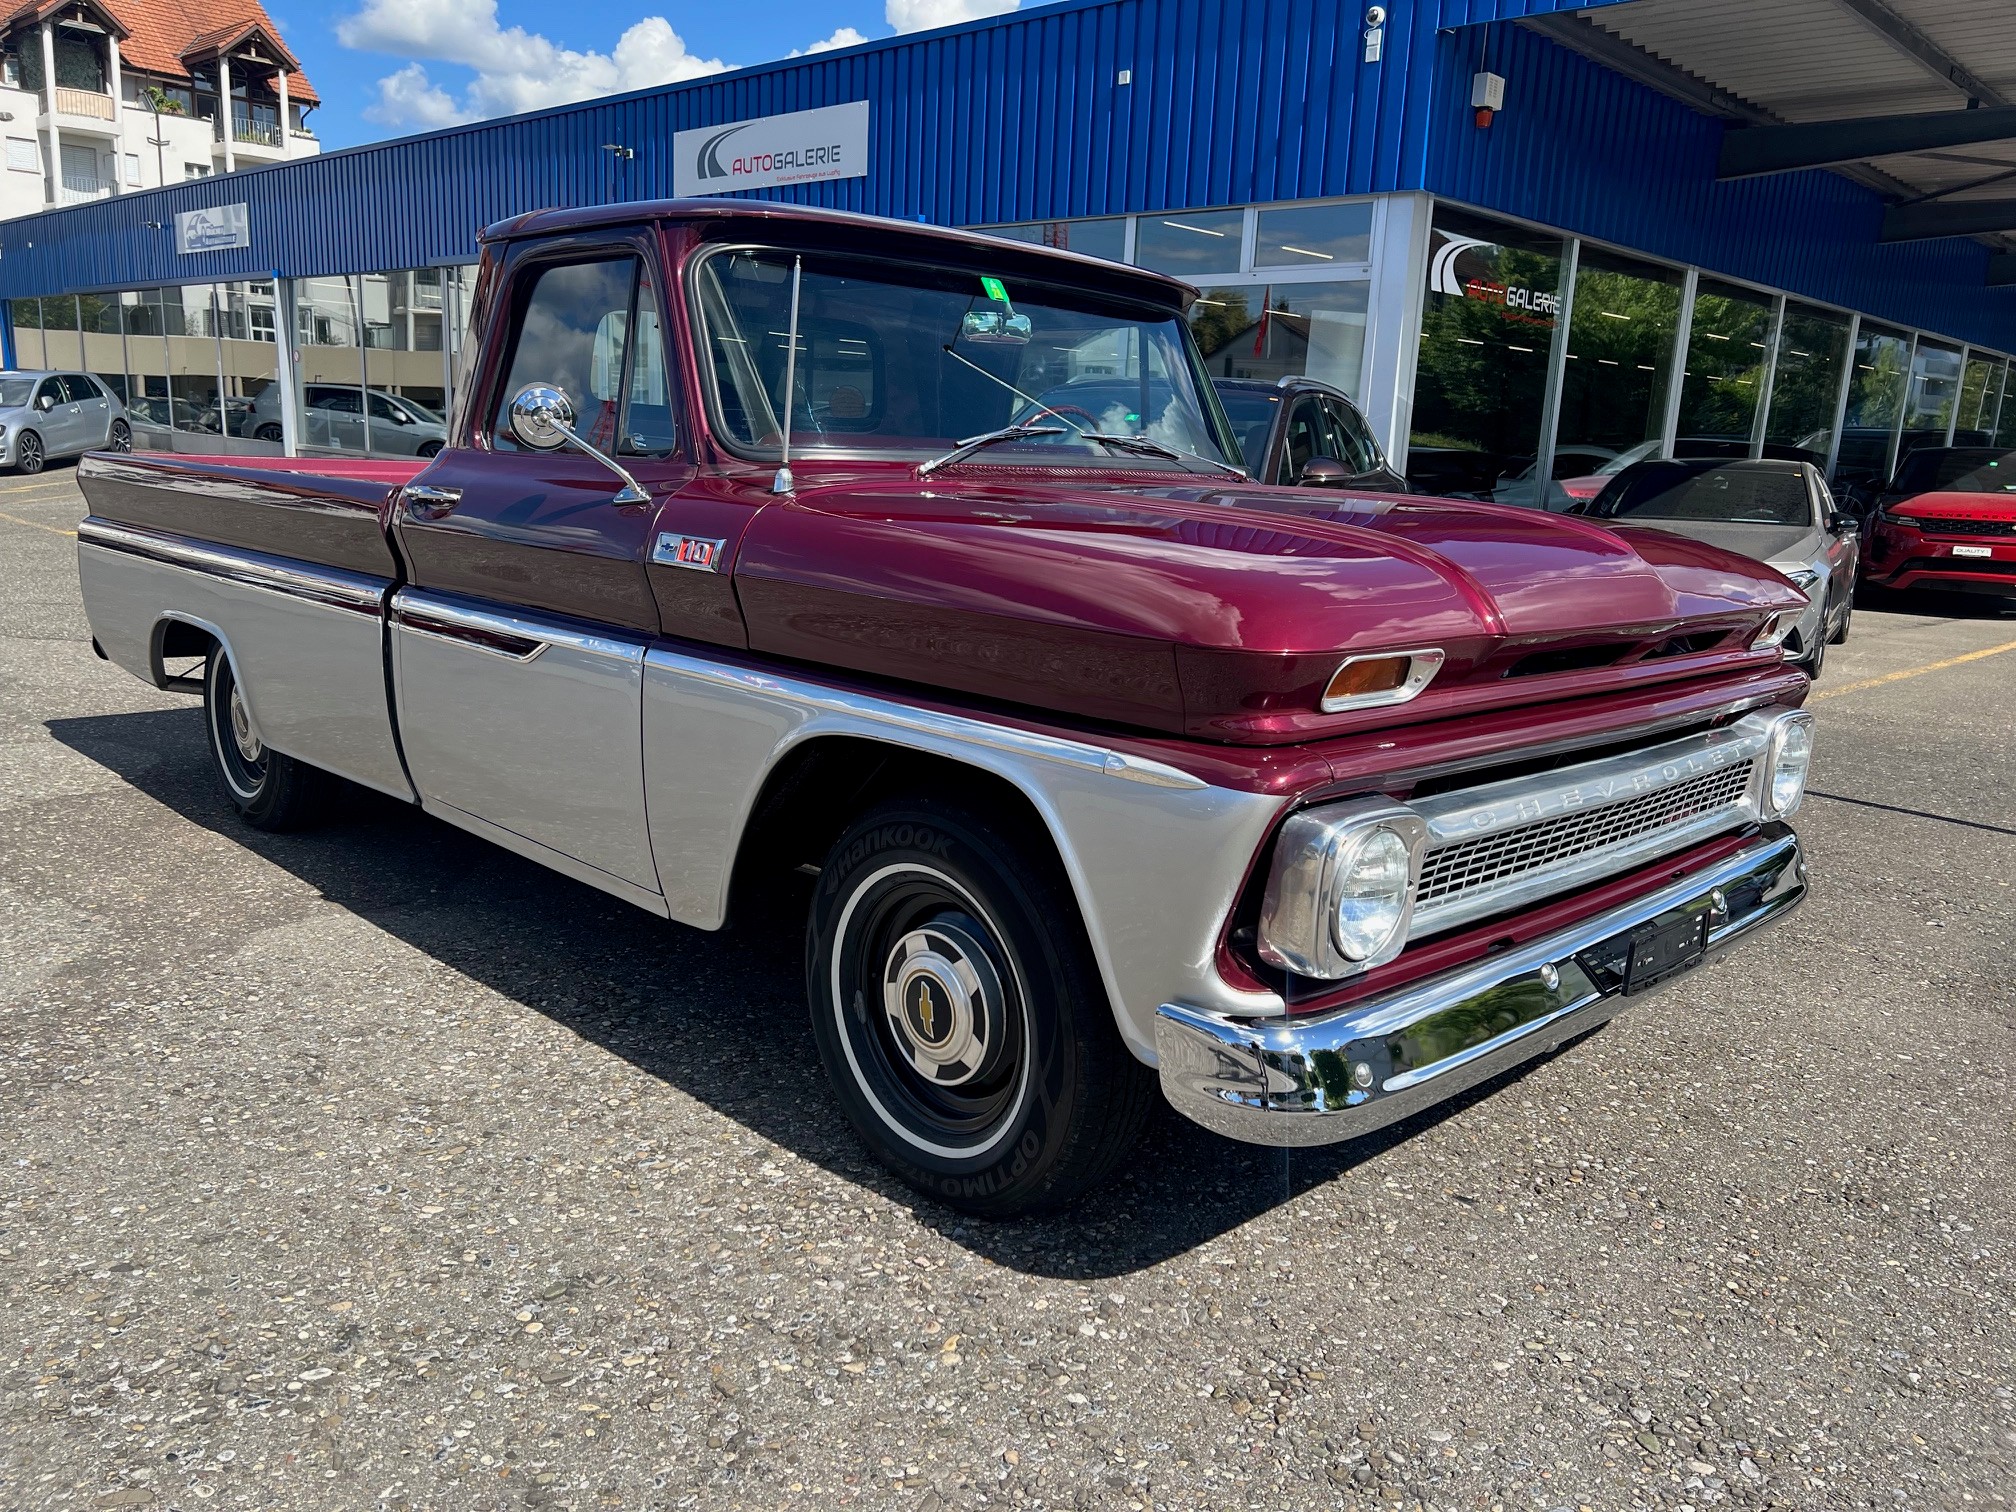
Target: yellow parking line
(1891, 677)
(37, 524)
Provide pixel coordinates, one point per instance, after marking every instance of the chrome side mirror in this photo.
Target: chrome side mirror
(1323, 472)
(543, 419)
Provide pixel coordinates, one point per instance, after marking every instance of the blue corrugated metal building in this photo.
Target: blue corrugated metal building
(1123, 126)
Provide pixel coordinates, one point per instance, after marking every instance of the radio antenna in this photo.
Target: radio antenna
(784, 483)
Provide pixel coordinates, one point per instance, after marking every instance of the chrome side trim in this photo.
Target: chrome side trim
(324, 585)
(425, 613)
(1298, 1082)
(1471, 814)
(958, 727)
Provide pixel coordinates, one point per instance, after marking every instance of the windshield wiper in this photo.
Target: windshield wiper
(972, 444)
(1150, 447)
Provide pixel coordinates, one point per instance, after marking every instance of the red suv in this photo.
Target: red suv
(1947, 521)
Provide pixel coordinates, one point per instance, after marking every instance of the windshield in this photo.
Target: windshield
(1735, 495)
(910, 361)
(15, 392)
(1962, 470)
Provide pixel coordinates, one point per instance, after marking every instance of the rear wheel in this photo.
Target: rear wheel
(271, 433)
(28, 454)
(960, 1015)
(271, 791)
(120, 438)
(430, 449)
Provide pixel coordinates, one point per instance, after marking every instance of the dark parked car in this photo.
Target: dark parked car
(1860, 464)
(1779, 512)
(1946, 521)
(1301, 431)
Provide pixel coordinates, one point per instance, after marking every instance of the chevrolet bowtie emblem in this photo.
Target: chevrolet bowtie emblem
(927, 1010)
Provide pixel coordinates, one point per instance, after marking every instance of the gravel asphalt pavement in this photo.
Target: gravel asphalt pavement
(372, 1167)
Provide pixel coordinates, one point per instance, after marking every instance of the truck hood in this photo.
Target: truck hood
(1217, 611)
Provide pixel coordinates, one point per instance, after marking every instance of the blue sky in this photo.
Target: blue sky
(391, 67)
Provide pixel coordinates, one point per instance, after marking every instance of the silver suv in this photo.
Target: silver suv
(334, 414)
(44, 415)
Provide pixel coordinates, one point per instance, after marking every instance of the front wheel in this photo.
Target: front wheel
(430, 449)
(1840, 634)
(271, 791)
(1815, 659)
(29, 456)
(960, 1015)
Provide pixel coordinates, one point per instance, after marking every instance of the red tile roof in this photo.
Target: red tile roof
(162, 34)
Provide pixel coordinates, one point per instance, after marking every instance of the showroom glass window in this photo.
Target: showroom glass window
(1812, 345)
(1933, 397)
(1726, 350)
(1980, 398)
(1487, 326)
(1208, 242)
(1272, 331)
(1621, 330)
(1875, 403)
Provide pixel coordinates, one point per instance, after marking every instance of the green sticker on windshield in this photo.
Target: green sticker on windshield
(995, 289)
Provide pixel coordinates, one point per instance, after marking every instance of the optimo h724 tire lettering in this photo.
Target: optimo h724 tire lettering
(271, 791)
(960, 1014)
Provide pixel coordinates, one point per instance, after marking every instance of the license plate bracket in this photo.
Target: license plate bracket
(1662, 948)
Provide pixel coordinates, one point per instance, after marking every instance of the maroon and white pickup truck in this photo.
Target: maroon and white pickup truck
(767, 538)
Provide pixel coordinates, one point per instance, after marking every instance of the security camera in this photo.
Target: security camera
(1375, 15)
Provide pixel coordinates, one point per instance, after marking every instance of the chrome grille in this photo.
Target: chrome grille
(1470, 865)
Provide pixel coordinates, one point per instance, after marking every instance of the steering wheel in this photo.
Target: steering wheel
(1043, 411)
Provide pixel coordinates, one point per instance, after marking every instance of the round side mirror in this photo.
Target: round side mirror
(541, 417)
(1323, 472)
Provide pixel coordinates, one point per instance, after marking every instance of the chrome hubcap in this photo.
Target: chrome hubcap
(249, 745)
(943, 1001)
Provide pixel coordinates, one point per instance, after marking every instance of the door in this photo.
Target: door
(1843, 547)
(520, 644)
(94, 411)
(61, 424)
(336, 419)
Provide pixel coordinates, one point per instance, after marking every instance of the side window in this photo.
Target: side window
(1307, 437)
(340, 402)
(82, 389)
(574, 334)
(1357, 449)
(383, 409)
(648, 430)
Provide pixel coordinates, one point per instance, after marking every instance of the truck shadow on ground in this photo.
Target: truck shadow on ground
(721, 1016)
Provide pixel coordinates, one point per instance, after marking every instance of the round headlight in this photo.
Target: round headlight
(1372, 894)
(1791, 756)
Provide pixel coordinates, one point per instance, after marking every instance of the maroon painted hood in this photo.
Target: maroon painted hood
(1218, 611)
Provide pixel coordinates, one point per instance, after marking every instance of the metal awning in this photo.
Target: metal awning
(1920, 81)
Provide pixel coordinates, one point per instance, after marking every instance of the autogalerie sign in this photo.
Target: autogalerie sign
(213, 230)
(799, 148)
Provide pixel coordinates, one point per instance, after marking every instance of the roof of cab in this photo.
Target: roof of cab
(794, 222)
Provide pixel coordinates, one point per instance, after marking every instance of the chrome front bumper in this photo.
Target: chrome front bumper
(1310, 1081)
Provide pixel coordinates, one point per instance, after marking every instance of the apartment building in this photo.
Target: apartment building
(102, 97)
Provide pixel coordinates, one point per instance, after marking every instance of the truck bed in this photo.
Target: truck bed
(329, 510)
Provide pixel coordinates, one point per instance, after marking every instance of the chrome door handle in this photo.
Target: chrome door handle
(425, 502)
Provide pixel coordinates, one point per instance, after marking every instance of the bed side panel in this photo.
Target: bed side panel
(328, 518)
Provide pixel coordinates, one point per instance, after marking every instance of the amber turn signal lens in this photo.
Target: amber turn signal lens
(1375, 674)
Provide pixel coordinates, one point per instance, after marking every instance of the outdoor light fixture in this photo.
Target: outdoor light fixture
(1487, 97)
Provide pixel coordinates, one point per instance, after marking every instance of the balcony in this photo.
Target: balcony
(253, 140)
(89, 112)
(81, 189)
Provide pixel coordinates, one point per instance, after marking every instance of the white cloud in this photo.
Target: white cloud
(515, 70)
(846, 36)
(922, 15)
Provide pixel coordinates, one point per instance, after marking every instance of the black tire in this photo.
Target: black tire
(1814, 660)
(431, 449)
(271, 433)
(29, 457)
(271, 791)
(1840, 635)
(120, 437)
(1029, 1097)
